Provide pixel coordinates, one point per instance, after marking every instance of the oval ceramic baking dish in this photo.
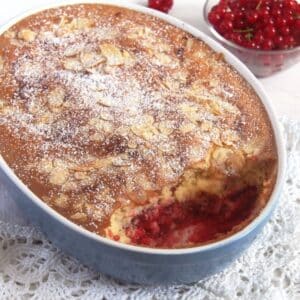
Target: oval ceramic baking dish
(139, 264)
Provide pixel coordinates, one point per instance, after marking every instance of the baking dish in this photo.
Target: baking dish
(138, 264)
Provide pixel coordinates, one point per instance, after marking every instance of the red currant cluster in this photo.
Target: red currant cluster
(258, 24)
(162, 5)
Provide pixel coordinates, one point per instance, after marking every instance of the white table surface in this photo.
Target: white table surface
(283, 88)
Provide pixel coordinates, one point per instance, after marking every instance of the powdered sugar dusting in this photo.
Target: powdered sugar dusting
(107, 103)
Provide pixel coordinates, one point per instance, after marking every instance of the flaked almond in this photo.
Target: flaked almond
(106, 116)
(56, 97)
(91, 59)
(82, 23)
(103, 100)
(166, 127)
(132, 144)
(58, 176)
(206, 126)
(2, 104)
(97, 137)
(189, 44)
(27, 35)
(101, 125)
(45, 165)
(191, 112)
(79, 217)
(80, 175)
(163, 59)
(92, 165)
(115, 56)
(229, 137)
(187, 127)
(73, 50)
(70, 185)
(145, 131)
(45, 118)
(73, 64)
(61, 201)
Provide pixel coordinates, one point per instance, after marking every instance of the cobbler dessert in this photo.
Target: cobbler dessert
(132, 128)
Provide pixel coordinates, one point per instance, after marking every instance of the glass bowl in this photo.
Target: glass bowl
(262, 63)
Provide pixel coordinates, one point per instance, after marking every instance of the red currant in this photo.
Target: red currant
(267, 44)
(258, 24)
(162, 5)
(270, 31)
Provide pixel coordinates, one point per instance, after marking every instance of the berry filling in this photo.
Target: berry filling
(191, 222)
(258, 24)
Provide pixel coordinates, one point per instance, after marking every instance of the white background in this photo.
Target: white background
(283, 88)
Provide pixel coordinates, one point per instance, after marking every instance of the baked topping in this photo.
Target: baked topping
(117, 111)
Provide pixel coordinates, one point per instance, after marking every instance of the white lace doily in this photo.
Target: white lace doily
(32, 268)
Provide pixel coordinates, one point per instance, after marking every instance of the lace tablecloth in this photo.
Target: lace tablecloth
(32, 268)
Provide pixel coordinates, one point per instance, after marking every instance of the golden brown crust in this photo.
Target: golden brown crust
(103, 107)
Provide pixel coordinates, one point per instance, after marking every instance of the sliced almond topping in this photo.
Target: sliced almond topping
(98, 136)
(215, 108)
(45, 165)
(2, 103)
(61, 201)
(166, 127)
(187, 127)
(91, 59)
(128, 57)
(101, 125)
(190, 111)
(58, 176)
(163, 59)
(253, 148)
(106, 116)
(73, 64)
(73, 50)
(27, 35)
(82, 23)
(94, 164)
(45, 118)
(79, 216)
(146, 131)
(103, 100)
(229, 137)
(80, 175)
(132, 144)
(70, 185)
(227, 160)
(56, 97)
(115, 56)
(189, 44)
(143, 182)
(206, 126)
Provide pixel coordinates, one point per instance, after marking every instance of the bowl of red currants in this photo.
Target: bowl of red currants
(264, 34)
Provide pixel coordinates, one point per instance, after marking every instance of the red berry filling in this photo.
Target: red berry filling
(258, 24)
(162, 5)
(191, 222)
